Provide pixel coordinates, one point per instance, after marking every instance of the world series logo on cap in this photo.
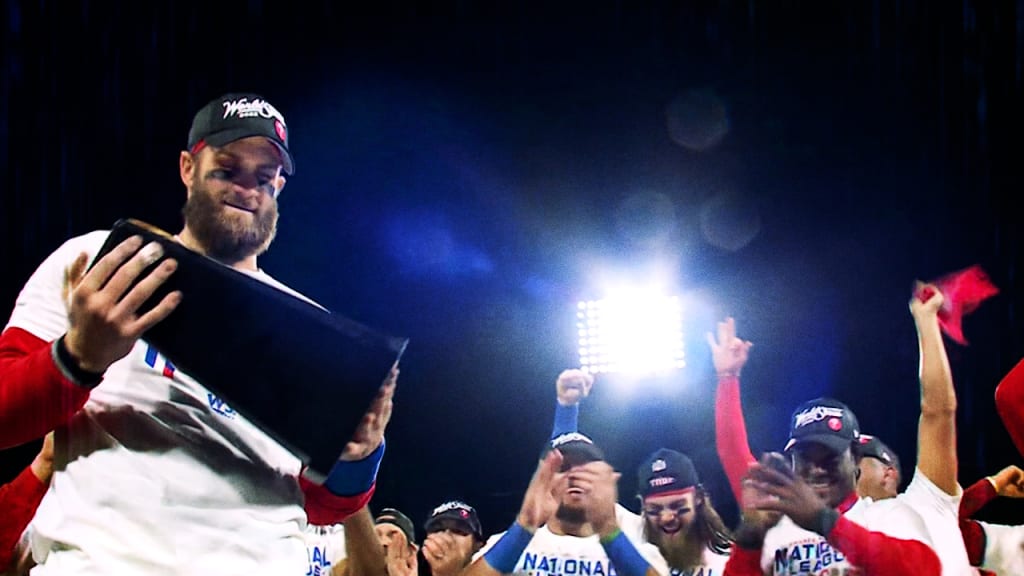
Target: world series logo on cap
(815, 414)
(658, 465)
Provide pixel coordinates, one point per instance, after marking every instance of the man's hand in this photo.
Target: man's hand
(103, 311)
(1009, 482)
(400, 557)
(926, 302)
(442, 554)
(729, 353)
(573, 385)
(370, 432)
(600, 483)
(42, 465)
(778, 489)
(539, 501)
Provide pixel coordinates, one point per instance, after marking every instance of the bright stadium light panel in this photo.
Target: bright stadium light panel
(636, 333)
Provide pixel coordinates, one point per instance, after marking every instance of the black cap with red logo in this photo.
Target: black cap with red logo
(240, 115)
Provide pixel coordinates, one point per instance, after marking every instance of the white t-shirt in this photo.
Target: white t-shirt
(155, 474)
(1004, 549)
(550, 554)
(633, 525)
(940, 514)
(325, 546)
(789, 549)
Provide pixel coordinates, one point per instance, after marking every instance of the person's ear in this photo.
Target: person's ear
(188, 164)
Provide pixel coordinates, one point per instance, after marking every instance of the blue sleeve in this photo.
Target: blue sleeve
(354, 477)
(566, 419)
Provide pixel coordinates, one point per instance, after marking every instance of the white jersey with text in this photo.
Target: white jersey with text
(940, 514)
(550, 554)
(325, 546)
(633, 525)
(792, 551)
(156, 474)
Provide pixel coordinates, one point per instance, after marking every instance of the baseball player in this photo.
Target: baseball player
(154, 473)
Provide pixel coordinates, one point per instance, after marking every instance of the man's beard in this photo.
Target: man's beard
(224, 238)
(682, 551)
(571, 515)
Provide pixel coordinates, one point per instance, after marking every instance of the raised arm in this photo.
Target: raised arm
(936, 428)
(729, 355)
(572, 386)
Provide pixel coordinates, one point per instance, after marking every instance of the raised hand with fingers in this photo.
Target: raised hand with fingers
(539, 502)
(778, 489)
(728, 353)
(104, 313)
(400, 557)
(600, 482)
(370, 433)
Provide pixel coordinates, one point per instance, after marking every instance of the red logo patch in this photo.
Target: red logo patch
(282, 133)
(835, 423)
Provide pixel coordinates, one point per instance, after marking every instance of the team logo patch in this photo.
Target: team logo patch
(462, 507)
(817, 414)
(658, 465)
(835, 424)
(282, 133)
(570, 437)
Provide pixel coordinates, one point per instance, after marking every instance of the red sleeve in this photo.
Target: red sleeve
(324, 508)
(976, 497)
(35, 396)
(878, 554)
(1010, 404)
(19, 500)
(731, 434)
(974, 540)
(743, 562)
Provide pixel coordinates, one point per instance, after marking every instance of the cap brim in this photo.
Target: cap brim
(228, 136)
(452, 520)
(830, 441)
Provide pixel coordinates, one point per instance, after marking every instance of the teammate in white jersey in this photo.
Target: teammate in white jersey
(825, 527)
(569, 522)
(678, 517)
(154, 473)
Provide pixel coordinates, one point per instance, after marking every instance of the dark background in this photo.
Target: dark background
(467, 171)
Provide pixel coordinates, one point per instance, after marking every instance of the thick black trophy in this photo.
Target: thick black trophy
(304, 375)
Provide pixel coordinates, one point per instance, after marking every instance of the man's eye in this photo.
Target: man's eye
(221, 174)
(267, 187)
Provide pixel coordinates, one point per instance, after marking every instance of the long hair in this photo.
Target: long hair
(710, 527)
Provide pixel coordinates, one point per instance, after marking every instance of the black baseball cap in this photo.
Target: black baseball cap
(824, 421)
(240, 115)
(871, 447)
(392, 516)
(576, 449)
(666, 471)
(458, 513)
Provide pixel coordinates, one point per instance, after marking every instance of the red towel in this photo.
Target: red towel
(963, 292)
